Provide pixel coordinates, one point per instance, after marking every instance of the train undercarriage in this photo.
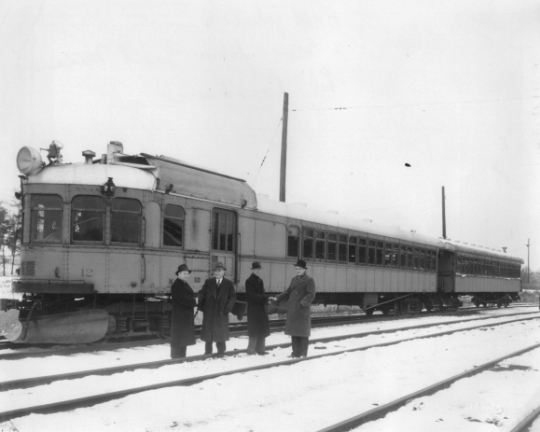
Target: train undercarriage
(68, 319)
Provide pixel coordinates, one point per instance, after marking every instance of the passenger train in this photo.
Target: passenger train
(102, 239)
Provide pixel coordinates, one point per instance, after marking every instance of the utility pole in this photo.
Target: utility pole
(443, 215)
(528, 265)
(283, 172)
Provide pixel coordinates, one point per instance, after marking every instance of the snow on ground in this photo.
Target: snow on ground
(309, 395)
(30, 367)
(497, 399)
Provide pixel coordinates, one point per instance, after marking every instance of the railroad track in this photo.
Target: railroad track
(236, 329)
(382, 411)
(112, 395)
(31, 382)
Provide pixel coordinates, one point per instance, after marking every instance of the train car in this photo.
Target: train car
(103, 237)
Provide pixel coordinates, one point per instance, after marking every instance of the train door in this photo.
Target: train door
(446, 271)
(224, 241)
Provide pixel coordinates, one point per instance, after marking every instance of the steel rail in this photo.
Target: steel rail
(109, 346)
(47, 379)
(524, 424)
(379, 412)
(34, 381)
(99, 398)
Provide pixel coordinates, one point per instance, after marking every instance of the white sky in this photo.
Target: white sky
(451, 88)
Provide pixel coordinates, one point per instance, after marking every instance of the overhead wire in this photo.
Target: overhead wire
(268, 150)
(412, 104)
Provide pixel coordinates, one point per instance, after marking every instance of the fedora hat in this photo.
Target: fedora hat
(181, 268)
(301, 263)
(256, 265)
(219, 266)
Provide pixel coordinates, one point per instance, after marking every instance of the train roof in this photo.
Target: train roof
(301, 212)
(154, 173)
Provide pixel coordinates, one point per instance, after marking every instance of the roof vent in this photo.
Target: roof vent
(88, 156)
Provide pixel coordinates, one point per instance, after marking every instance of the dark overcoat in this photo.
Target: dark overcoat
(300, 295)
(182, 324)
(257, 318)
(216, 304)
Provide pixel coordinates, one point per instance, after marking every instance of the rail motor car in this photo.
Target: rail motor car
(103, 237)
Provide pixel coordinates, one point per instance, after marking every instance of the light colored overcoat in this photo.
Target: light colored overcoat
(299, 296)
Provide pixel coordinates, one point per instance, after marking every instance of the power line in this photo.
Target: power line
(412, 104)
(267, 151)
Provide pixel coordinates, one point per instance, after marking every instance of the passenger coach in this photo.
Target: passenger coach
(102, 238)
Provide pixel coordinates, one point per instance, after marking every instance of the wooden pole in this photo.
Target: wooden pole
(443, 215)
(283, 172)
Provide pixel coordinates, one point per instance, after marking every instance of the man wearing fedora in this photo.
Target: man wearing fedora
(182, 320)
(257, 318)
(300, 295)
(216, 300)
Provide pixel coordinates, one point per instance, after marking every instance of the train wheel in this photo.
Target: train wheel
(369, 312)
(484, 304)
(499, 305)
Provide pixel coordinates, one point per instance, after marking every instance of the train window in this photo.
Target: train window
(308, 243)
(394, 255)
(433, 260)
(320, 245)
(125, 221)
(352, 250)
(380, 253)
(87, 219)
(293, 241)
(224, 223)
(410, 262)
(332, 247)
(362, 252)
(342, 248)
(371, 252)
(403, 260)
(46, 218)
(173, 225)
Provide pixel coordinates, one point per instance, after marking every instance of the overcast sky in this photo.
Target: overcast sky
(451, 88)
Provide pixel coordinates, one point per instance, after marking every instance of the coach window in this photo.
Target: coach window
(308, 243)
(224, 223)
(403, 259)
(320, 242)
(342, 248)
(46, 219)
(362, 252)
(126, 221)
(173, 226)
(394, 255)
(380, 253)
(422, 259)
(87, 219)
(352, 250)
(371, 252)
(410, 256)
(293, 241)
(433, 260)
(332, 247)
(387, 251)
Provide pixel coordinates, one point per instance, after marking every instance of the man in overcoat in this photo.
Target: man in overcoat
(300, 295)
(183, 304)
(216, 300)
(257, 318)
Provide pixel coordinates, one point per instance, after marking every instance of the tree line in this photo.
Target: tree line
(10, 235)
